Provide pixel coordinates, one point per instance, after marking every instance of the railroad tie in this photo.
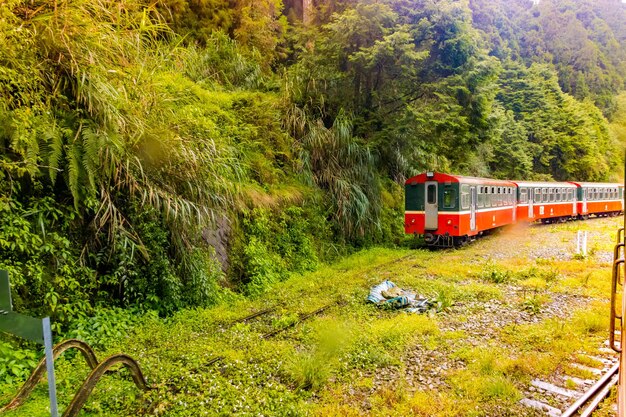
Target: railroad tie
(552, 411)
(555, 389)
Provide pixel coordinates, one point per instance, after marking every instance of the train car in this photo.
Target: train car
(450, 209)
(599, 199)
(546, 201)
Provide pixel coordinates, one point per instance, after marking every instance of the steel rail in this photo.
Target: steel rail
(300, 320)
(34, 378)
(89, 384)
(595, 394)
(254, 315)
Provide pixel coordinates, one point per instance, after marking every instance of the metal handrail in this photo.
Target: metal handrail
(615, 274)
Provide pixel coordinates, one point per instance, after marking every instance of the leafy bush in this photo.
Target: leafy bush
(15, 364)
(106, 327)
(47, 277)
(276, 243)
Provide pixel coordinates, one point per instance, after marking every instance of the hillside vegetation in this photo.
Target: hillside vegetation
(161, 155)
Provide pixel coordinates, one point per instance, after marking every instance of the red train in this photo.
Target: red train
(450, 210)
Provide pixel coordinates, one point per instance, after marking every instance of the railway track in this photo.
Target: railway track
(568, 396)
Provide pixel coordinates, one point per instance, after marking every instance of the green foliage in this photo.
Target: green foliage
(15, 364)
(106, 327)
(337, 163)
(47, 277)
(128, 130)
(533, 305)
(275, 245)
(494, 274)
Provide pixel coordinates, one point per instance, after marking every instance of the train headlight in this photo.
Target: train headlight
(412, 221)
(450, 221)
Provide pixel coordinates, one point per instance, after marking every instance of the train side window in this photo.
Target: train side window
(449, 197)
(544, 195)
(552, 194)
(465, 196)
(431, 195)
(537, 195)
(523, 195)
(481, 197)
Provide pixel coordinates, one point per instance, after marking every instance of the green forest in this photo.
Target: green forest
(172, 154)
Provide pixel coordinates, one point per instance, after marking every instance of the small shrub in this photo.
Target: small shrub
(309, 371)
(106, 327)
(492, 273)
(533, 305)
(443, 301)
(15, 364)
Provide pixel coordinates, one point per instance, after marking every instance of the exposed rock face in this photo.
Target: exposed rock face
(217, 237)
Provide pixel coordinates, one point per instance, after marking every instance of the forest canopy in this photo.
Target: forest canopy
(161, 155)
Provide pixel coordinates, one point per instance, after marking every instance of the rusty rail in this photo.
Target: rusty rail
(83, 392)
(300, 320)
(98, 369)
(30, 384)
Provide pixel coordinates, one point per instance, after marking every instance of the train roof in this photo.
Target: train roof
(441, 177)
(598, 184)
(544, 184)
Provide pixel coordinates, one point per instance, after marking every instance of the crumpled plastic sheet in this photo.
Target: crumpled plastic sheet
(407, 300)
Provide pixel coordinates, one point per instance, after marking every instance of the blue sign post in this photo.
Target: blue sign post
(36, 330)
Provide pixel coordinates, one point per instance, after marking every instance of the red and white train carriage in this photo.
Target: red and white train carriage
(449, 210)
(546, 201)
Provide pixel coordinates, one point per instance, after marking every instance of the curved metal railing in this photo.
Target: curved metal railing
(98, 369)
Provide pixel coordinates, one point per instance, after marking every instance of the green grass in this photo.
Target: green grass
(354, 359)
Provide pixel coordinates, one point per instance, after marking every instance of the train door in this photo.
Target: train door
(431, 212)
(473, 200)
(573, 193)
(584, 193)
(531, 200)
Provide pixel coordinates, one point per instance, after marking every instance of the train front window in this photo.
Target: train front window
(431, 194)
(449, 197)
